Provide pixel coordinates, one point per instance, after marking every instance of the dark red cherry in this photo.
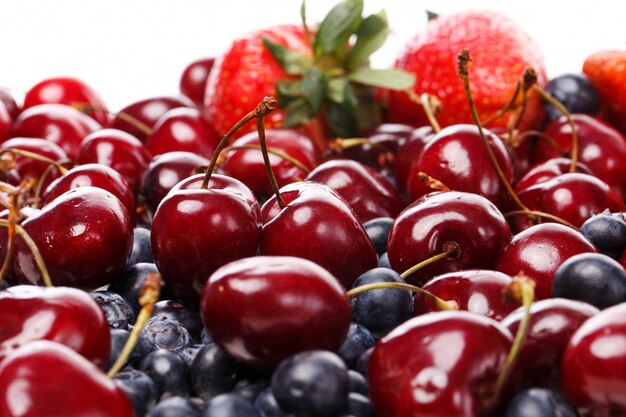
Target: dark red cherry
(60, 314)
(10, 104)
(84, 236)
(71, 92)
(408, 152)
(539, 250)
(118, 150)
(58, 123)
(6, 123)
(424, 229)
(320, 226)
(382, 144)
(139, 118)
(457, 157)
(479, 291)
(547, 170)
(182, 129)
(552, 323)
(193, 80)
(369, 193)
(33, 383)
(249, 308)
(28, 167)
(440, 364)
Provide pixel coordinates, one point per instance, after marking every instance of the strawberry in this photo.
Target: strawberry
(607, 72)
(500, 53)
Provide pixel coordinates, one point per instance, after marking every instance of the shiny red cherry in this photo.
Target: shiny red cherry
(547, 170)
(34, 383)
(538, 251)
(193, 80)
(408, 152)
(263, 309)
(71, 92)
(60, 314)
(10, 104)
(84, 236)
(28, 167)
(440, 364)
(6, 123)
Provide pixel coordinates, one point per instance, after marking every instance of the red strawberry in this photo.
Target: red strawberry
(607, 72)
(500, 53)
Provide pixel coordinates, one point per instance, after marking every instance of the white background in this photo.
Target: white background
(133, 49)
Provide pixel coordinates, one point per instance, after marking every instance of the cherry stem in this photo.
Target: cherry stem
(441, 303)
(149, 296)
(263, 109)
(431, 105)
(36, 157)
(542, 136)
(507, 107)
(547, 97)
(535, 213)
(12, 219)
(451, 251)
(33, 248)
(431, 182)
(86, 107)
(463, 70)
(282, 155)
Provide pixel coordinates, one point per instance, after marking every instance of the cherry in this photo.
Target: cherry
(318, 225)
(71, 92)
(33, 383)
(422, 230)
(118, 150)
(248, 307)
(552, 323)
(182, 129)
(9, 103)
(478, 291)
(193, 80)
(538, 251)
(457, 157)
(6, 123)
(440, 364)
(59, 314)
(84, 236)
(592, 371)
(408, 152)
(58, 123)
(547, 170)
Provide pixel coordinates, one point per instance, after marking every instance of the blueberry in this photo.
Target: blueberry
(205, 337)
(313, 383)
(118, 340)
(383, 309)
(358, 340)
(187, 316)
(266, 403)
(539, 402)
(140, 389)
(4, 284)
(383, 261)
(213, 372)
(250, 388)
(575, 92)
(230, 405)
(130, 283)
(607, 233)
(168, 370)
(362, 365)
(591, 277)
(358, 383)
(142, 249)
(189, 354)
(163, 333)
(378, 232)
(118, 311)
(176, 407)
(359, 405)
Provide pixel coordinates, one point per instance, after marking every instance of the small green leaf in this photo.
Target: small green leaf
(313, 86)
(392, 79)
(337, 27)
(431, 15)
(371, 35)
(340, 121)
(292, 62)
(288, 90)
(297, 113)
(336, 89)
(350, 99)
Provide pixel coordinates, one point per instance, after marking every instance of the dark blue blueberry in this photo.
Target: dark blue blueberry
(230, 405)
(250, 388)
(358, 383)
(176, 407)
(168, 370)
(358, 340)
(213, 372)
(359, 405)
(142, 249)
(575, 92)
(362, 365)
(383, 309)
(607, 233)
(188, 316)
(163, 333)
(118, 340)
(118, 311)
(4, 284)
(378, 232)
(130, 283)
(539, 402)
(205, 337)
(266, 403)
(140, 389)
(189, 354)
(313, 383)
(383, 261)
(591, 277)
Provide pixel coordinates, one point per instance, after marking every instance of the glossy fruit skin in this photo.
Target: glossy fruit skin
(71, 92)
(194, 232)
(457, 157)
(539, 402)
(538, 251)
(575, 92)
(84, 236)
(9, 102)
(479, 291)
(27, 167)
(592, 373)
(58, 123)
(60, 314)
(30, 385)
(320, 226)
(6, 123)
(193, 79)
(248, 307)
(437, 365)
(422, 229)
(408, 152)
(547, 170)
(497, 46)
(607, 232)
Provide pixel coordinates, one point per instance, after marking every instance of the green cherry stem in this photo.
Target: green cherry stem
(441, 303)
(451, 250)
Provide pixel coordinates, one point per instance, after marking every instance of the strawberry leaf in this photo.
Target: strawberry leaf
(392, 79)
(291, 62)
(313, 85)
(297, 112)
(336, 89)
(431, 15)
(341, 123)
(288, 90)
(337, 27)
(371, 35)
